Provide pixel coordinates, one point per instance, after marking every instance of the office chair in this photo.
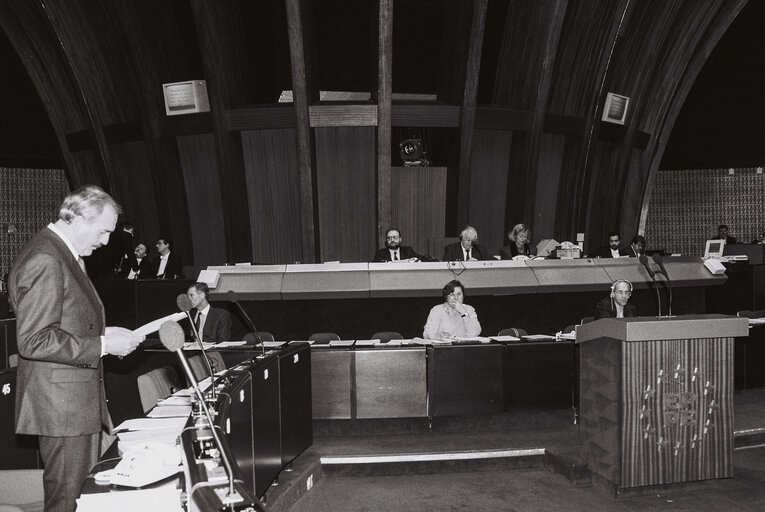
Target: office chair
(386, 336)
(324, 337)
(512, 331)
(156, 385)
(251, 339)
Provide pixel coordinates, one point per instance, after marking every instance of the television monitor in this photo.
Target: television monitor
(714, 248)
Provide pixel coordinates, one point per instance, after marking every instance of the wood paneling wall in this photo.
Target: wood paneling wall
(419, 205)
(345, 182)
(273, 189)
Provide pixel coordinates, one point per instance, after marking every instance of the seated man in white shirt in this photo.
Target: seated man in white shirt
(168, 264)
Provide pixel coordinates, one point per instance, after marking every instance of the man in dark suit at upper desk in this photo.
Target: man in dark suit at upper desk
(213, 324)
(140, 264)
(168, 264)
(722, 234)
(468, 248)
(612, 250)
(617, 305)
(61, 334)
(394, 251)
(636, 248)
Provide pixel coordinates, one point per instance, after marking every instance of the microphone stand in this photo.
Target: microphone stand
(644, 261)
(660, 261)
(184, 304)
(233, 496)
(231, 297)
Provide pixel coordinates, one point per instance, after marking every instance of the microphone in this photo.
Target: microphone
(659, 259)
(644, 261)
(231, 297)
(184, 304)
(172, 337)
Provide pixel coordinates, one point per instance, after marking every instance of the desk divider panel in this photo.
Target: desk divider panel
(249, 282)
(569, 275)
(391, 383)
(316, 281)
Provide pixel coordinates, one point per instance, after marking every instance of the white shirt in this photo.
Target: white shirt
(162, 264)
(394, 254)
(615, 253)
(201, 321)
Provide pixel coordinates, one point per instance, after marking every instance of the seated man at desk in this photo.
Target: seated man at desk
(467, 249)
(394, 251)
(617, 305)
(453, 318)
(213, 324)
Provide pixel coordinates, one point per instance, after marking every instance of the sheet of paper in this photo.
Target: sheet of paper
(175, 400)
(164, 499)
(367, 343)
(154, 325)
(193, 345)
(150, 423)
(505, 338)
(170, 411)
(224, 344)
(341, 343)
(538, 337)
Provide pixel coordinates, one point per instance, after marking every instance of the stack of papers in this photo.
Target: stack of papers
(170, 411)
(193, 345)
(538, 337)
(505, 338)
(224, 344)
(341, 343)
(367, 343)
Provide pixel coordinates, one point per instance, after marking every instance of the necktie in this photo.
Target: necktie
(395, 255)
(201, 326)
(468, 255)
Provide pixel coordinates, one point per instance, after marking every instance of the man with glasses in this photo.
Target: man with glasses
(617, 305)
(394, 251)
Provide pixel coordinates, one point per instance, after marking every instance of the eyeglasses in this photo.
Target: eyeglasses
(626, 293)
(392, 237)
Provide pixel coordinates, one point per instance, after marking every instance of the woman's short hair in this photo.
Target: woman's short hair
(87, 201)
(450, 287)
(518, 228)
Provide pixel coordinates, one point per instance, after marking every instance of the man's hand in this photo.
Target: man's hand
(119, 341)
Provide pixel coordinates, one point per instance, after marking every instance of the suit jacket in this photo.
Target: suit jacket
(217, 325)
(59, 321)
(606, 309)
(453, 252)
(627, 251)
(604, 251)
(404, 252)
(144, 268)
(173, 269)
(509, 251)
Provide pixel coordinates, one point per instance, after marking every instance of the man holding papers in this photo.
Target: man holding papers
(61, 334)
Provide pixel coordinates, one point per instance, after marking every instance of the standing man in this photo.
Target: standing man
(468, 248)
(61, 335)
(394, 251)
(612, 249)
(617, 305)
(636, 248)
(168, 264)
(213, 324)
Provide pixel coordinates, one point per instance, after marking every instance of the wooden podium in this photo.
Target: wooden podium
(656, 398)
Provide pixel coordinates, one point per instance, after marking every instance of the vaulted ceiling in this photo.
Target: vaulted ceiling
(507, 94)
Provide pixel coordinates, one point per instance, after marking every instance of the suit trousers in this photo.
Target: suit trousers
(67, 460)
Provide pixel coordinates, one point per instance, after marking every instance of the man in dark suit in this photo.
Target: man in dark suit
(393, 250)
(467, 249)
(636, 248)
(61, 335)
(168, 264)
(617, 305)
(612, 250)
(722, 234)
(213, 324)
(140, 264)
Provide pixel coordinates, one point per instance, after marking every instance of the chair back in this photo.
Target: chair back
(587, 320)
(251, 339)
(324, 336)
(569, 328)
(751, 314)
(512, 331)
(386, 336)
(156, 385)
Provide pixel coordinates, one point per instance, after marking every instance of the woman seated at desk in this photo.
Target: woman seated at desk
(520, 243)
(453, 318)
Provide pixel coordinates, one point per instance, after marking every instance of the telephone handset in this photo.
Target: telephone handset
(146, 463)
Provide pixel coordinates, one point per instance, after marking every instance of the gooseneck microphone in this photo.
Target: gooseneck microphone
(231, 297)
(172, 337)
(659, 259)
(184, 304)
(644, 261)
